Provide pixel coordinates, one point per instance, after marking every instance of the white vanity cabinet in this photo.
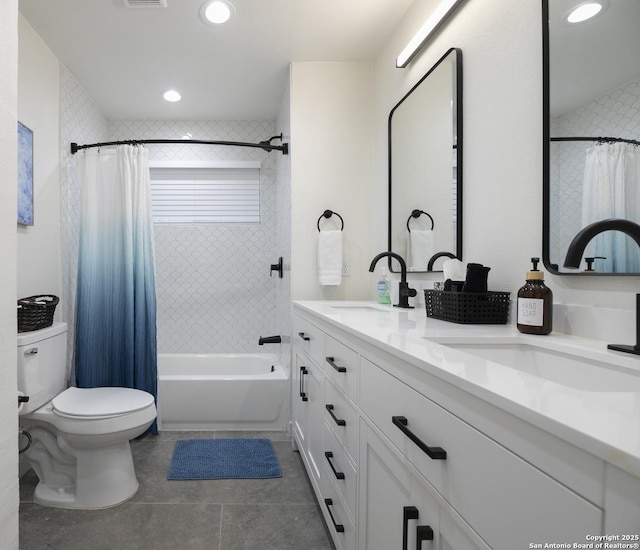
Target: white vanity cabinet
(409, 460)
(325, 424)
(503, 497)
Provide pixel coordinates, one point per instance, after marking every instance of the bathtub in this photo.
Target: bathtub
(222, 392)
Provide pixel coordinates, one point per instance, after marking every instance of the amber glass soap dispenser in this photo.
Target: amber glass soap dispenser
(535, 303)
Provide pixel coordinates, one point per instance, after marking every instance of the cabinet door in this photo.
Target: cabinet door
(398, 510)
(395, 508)
(314, 390)
(299, 399)
(622, 505)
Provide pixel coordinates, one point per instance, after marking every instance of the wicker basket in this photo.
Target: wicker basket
(36, 312)
(482, 308)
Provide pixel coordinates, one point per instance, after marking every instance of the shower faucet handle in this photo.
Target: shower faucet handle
(277, 268)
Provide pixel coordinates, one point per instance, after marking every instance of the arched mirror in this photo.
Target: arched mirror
(591, 133)
(425, 169)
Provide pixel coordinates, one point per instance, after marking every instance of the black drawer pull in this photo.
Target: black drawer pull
(304, 336)
(331, 361)
(329, 456)
(423, 532)
(338, 421)
(408, 512)
(338, 526)
(435, 453)
(303, 395)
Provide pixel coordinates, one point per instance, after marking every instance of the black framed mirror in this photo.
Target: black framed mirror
(425, 169)
(591, 133)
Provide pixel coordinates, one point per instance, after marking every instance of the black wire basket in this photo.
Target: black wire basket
(36, 312)
(477, 308)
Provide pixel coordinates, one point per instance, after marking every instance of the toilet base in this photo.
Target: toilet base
(105, 477)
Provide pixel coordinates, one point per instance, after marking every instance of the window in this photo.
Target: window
(205, 193)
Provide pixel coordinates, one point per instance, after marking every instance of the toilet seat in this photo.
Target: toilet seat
(100, 403)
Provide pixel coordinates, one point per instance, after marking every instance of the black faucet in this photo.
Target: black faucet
(576, 250)
(269, 340)
(437, 255)
(404, 291)
(580, 241)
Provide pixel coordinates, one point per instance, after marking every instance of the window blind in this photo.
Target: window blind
(205, 195)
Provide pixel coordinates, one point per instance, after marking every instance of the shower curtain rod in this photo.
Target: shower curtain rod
(600, 139)
(266, 145)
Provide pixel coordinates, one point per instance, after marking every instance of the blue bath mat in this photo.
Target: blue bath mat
(224, 459)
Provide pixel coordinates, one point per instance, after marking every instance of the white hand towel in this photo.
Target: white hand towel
(454, 269)
(421, 247)
(330, 257)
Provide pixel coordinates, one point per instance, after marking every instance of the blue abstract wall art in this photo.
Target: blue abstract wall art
(25, 175)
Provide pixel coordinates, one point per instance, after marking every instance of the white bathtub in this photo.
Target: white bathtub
(222, 392)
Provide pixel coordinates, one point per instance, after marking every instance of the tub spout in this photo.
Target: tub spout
(269, 340)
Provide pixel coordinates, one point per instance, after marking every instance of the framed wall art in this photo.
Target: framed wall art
(25, 175)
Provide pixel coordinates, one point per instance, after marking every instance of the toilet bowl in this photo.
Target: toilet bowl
(80, 436)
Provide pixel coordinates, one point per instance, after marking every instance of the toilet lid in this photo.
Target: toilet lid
(100, 402)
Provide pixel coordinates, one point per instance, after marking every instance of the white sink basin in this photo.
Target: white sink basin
(361, 308)
(564, 368)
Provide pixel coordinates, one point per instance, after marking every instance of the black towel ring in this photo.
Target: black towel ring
(328, 214)
(416, 214)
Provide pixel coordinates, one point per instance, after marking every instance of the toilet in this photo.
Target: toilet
(79, 436)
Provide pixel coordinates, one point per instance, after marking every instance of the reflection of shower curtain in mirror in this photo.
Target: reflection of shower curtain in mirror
(611, 180)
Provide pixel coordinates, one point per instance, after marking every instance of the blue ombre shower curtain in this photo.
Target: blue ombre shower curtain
(115, 343)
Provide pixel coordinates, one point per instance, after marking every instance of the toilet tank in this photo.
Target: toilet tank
(42, 362)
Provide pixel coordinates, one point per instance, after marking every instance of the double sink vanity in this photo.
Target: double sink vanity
(466, 436)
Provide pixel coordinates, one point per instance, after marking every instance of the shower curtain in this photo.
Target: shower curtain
(611, 180)
(115, 331)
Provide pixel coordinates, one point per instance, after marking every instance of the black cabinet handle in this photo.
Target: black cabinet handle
(423, 532)
(338, 421)
(435, 453)
(303, 336)
(408, 512)
(331, 361)
(329, 456)
(303, 395)
(338, 526)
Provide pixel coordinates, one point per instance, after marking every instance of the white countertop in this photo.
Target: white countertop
(604, 423)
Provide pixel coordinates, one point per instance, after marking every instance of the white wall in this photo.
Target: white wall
(502, 186)
(39, 109)
(8, 154)
(331, 169)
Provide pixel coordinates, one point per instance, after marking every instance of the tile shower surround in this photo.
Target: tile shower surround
(213, 287)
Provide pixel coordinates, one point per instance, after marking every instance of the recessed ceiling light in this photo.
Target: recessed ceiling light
(585, 11)
(172, 95)
(216, 12)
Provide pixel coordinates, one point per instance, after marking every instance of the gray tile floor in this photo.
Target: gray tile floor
(257, 514)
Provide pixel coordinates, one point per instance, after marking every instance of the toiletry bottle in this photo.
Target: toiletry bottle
(384, 287)
(535, 303)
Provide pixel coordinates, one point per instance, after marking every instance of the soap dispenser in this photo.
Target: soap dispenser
(384, 288)
(535, 303)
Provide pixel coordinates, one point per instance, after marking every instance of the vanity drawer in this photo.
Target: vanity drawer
(309, 338)
(480, 478)
(341, 365)
(337, 518)
(343, 419)
(339, 469)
